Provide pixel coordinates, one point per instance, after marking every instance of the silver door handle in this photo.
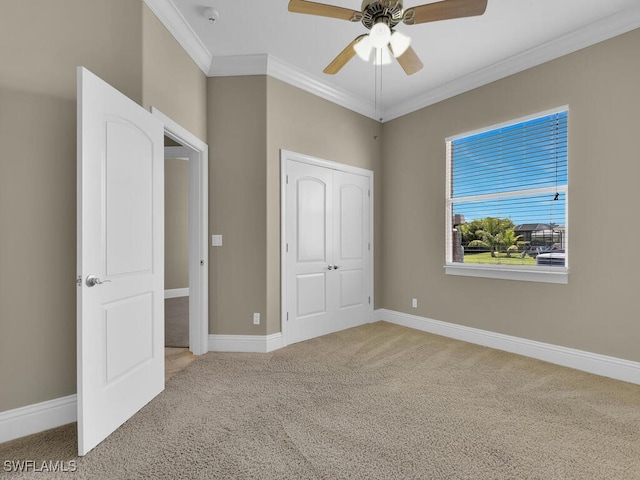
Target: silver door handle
(330, 267)
(335, 267)
(92, 281)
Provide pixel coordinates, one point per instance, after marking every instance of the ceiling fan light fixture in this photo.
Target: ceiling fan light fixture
(380, 35)
(381, 17)
(364, 48)
(399, 43)
(383, 57)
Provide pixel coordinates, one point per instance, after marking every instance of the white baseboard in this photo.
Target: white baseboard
(39, 417)
(246, 343)
(603, 365)
(176, 292)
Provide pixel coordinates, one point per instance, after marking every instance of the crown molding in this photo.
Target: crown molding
(178, 26)
(238, 65)
(264, 64)
(296, 77)
(585, 37)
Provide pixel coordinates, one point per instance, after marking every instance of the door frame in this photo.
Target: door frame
(198, 231)
(285, 156)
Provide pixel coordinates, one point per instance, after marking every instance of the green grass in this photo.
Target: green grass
(500, 259)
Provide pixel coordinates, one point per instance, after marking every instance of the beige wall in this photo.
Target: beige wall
(597, 310)
(237, 109)
(300, 122)
(171, 81)
(37, 248)
(41, 43)
(250, 120)
(176, 223)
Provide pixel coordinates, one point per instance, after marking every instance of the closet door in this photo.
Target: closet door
(351, 248)
(328, 261)
(310, 236)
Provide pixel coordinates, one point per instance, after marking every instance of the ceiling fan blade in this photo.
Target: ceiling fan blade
(410, 62)
(444, 10)
(324, 10)
(343, 57)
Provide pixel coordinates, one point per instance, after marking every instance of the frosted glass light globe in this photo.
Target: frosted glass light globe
(399, 43)
(380, 35)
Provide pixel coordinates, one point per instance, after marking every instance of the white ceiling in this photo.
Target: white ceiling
(262, 37)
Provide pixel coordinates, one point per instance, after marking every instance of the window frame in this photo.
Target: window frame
(546, 274)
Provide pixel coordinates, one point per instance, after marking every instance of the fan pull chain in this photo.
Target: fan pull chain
(375, 95)
(380, 70)
(375, 87)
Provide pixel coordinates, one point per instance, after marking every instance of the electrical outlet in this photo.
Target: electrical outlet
(256, 319)
(414, 302)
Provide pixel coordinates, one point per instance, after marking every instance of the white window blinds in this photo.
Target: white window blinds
(507, 193)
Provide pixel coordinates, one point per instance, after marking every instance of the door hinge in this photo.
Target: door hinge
(369, 193)
(287, 179)
(79, 280)
(287, 248)
(369, 300)
(369, 246)
(287, 316)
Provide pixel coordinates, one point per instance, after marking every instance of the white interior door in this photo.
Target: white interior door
(328, 256)
(351, 248)
(310, 236)
(120, 330)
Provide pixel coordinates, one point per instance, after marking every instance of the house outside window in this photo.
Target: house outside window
(507, 188)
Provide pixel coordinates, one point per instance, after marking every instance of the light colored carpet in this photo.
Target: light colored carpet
(374, 402)
(176, 322)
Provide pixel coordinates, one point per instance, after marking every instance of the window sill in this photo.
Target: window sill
(545, 275)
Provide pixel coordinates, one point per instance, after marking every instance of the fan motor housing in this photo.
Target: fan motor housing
(375, 11)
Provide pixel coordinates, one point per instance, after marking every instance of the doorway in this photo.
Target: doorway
(176, 258)
(195, 153)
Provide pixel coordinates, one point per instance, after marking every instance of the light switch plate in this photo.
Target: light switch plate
(216, 240)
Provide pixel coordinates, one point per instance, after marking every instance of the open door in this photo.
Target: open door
(120, 331)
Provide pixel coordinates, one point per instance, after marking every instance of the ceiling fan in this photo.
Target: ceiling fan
(380, 17)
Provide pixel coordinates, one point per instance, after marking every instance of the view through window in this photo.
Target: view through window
(507, 194)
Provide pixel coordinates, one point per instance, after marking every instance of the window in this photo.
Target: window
(507, 200)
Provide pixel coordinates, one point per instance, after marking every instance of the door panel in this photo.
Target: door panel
(311, 219)
(351, 247)
(351, 203)
(120, 329)
(351, 288)
(328, 261)
(128, 335)
(129, 170)
(312, 296)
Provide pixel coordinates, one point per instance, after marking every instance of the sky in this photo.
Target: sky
(526, 155)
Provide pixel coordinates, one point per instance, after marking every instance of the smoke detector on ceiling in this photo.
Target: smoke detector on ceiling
(212, 15)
